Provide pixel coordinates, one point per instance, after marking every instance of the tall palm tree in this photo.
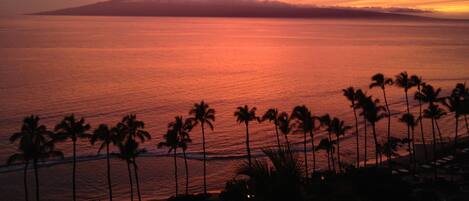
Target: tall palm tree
(405, 82)
(72, 128)
(285, 127)
(107, 136)
(203, 114)
(373, 113)
(462, 92)
(430, 113)
(128, 151)
(428, 94)
(351, 95)
(326, 122)
(339, 128)
(134, 129)
(305, 123)
(33, 145)
(411, 123)
(417, 81)
(171, 140)
(378, 80)
(362, 99)
(183, 128)
(272, 115)
(454, 104)
(245, 115)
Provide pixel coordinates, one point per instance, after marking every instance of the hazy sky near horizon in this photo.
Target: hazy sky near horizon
(451, 6)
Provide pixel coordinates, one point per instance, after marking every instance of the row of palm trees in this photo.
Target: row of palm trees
(37, 143)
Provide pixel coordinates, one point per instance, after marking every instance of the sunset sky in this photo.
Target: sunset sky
(451, 6)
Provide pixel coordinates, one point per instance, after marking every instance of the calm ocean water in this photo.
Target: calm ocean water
(105, 67)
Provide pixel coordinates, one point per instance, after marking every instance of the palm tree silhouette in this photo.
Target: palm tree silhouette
(285, 127)
(339, 128)
(245, 115)
(417, 81)
(326, 122)
(404, 81)
(182, 128)
(351, 95)
(128, 151)
(72, 128)
(106, 136)
(431, 112)
(454, 104)
(374, 113)
(462, 92)
(33, 145)
(411, 123)
(133, 129)
(326, 144)
(378, 80)
(203, 114)
(171, 140)
(272, 115)
(361, 102)
(305, 123)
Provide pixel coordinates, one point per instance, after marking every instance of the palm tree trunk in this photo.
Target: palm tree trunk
(130, 180)
(74, 169)
(357, 136)
(136, 180)
(288, 146)
(314, 153)
(247, 144)
(187, 171)
(278, 137)
(376, 144)
(36, 175)
(421, 128)
(456, 131)
(467, 126)
(439, 132)
(434, 150)
(205, 158)
(306, 156)
(413, 149)
(25, 180)
(338, 154)
(108, 172)
(411, 156)
(366, 140)
(389, 125)
(331, 148)
(176, 172)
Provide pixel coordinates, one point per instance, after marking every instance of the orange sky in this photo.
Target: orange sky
(451, 6)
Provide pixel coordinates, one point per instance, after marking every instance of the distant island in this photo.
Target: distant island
(222, 8)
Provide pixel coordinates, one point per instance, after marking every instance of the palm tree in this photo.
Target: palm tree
(404, 81)
(285, 127)
(305, 123)
(351, 95)
(106, 136)
(374, 113)
(326, 144)
(430, 113)
(133, 128)
(430, 95)
(72, 128)
(361, 102)
(33, 146)
(339, 128)
(182, 129)
(417, 81)
(454, 104)
(462, 92)
(203, 114)
(272, 115)
(128, 151)
(378, 80)
(171, 140)
(326, 122)
(411, 123)
(245, 115)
